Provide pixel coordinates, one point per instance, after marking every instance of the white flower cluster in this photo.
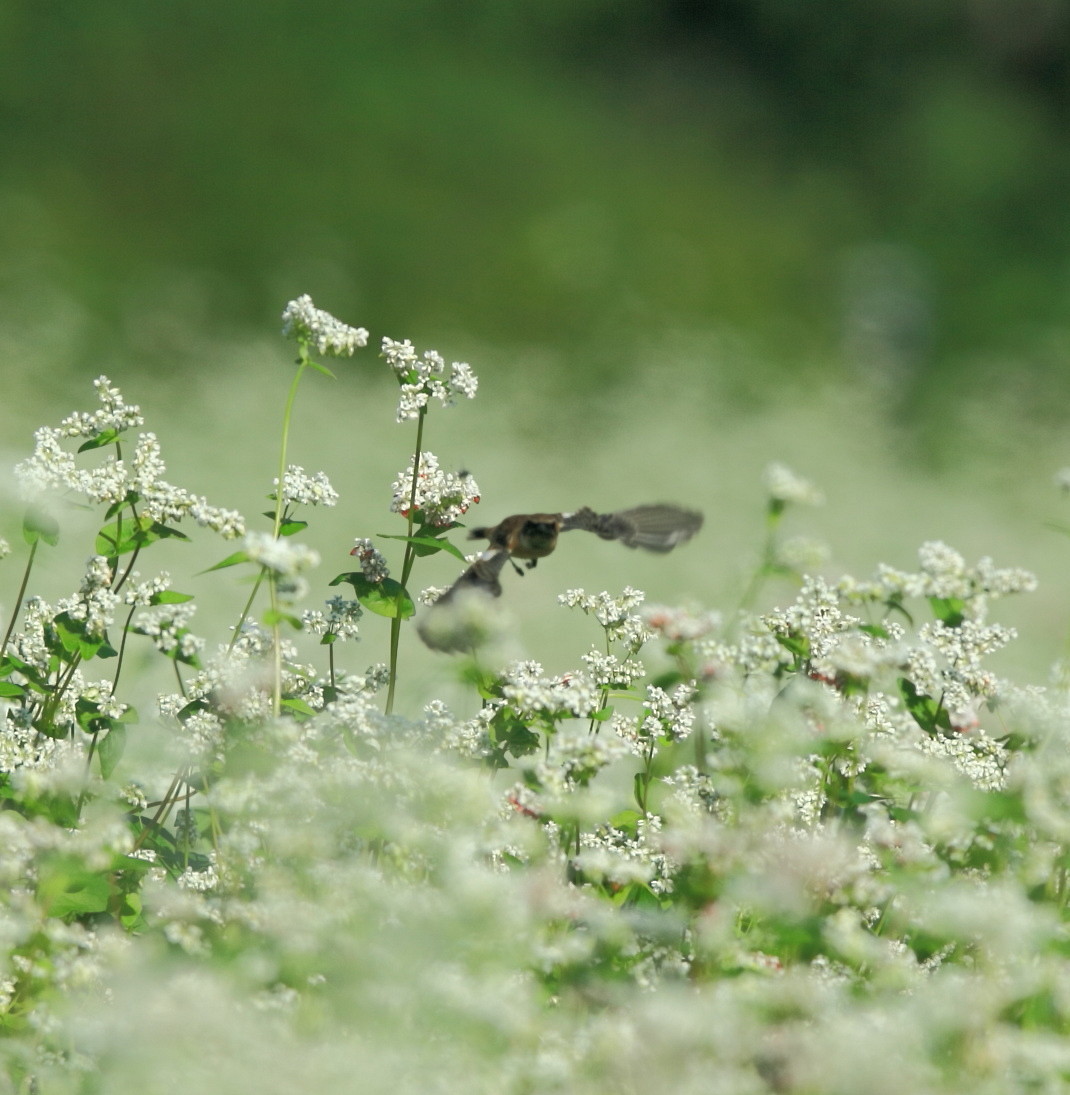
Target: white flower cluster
(670, 717)
(139, 592)
(282, 555)
(302, 320)
(783, 485)
(168, 627)
(114, 414)
(614, 613)
(613, 856)
(51, 467)
(440, 496)
(95, 603)
(573, 758)
(339, 620)
(301, 488)
(816, 614)
(529, 692)
(681, 624)
(426, 376)
(945, 574)
(608, 671)
(372, 564)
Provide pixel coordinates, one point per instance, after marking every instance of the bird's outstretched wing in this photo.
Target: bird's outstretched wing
(656, 528)
(458, 621)
(482, 575)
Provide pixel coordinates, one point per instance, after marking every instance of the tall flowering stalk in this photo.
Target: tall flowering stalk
(312, 329)
(424, 491)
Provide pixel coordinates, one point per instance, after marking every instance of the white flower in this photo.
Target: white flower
(301, 488)
(783, 485)
(440, 496)
(281, 555)
(303, 321)
(426, 376)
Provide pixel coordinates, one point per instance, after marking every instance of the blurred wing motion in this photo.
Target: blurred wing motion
(533, 536)
(656, 528)
(483, 576)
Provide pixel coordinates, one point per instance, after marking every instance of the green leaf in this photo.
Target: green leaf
(9, 689)
(386, 598)
(511, 734)
(229, 561)
(124, 536)
(297, 706)
(105, 437)
(67, 888)
(73, 636)
(274, 616)
(288, 526)
(170, 597)
(602, 714)
(796, 644)
(951, 610)
(320, 368)
(427, 545)
(39, 524)
(110, 748)
(925, 711)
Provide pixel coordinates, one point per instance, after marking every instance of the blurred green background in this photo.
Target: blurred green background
(675, 239)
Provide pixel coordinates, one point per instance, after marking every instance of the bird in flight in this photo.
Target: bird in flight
(532, 536)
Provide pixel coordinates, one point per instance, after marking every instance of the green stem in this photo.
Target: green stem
(302, 364)
(406, 566)
(18, 599)
(276, 627)
(768, 560)
(246, 610)
(122, 650)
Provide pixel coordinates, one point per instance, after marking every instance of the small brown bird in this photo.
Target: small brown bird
(531, 536)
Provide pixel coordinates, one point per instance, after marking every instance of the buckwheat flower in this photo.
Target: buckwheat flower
(139, 592)
(614, 613)
(301, 488)
(340, 619)
(95, 603)
(108, 482)
(816, 615)
(229, 523)
(783, 485)
(574, 694)
(441, 497)
(168, 627)
(426, 376)
(372, 564)
(50, 467)
(608, 671)
(802, 554)
(282, 555)
(113, 414)
(681, 624)
(670, 717)
(575, 757)
(303, 321)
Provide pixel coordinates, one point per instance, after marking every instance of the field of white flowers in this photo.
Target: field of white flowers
(822, 848)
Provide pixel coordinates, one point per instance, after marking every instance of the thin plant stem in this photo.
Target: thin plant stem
(406, 566)
(276, 627)
(18, 598)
